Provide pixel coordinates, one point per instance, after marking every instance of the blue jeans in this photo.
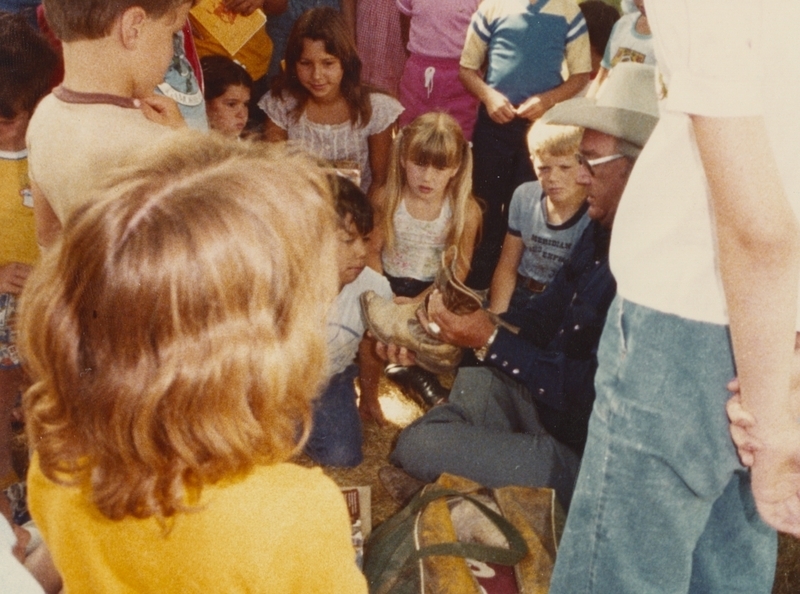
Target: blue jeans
(336, 437)
(521, 299)
(489, 432)
(662, 503)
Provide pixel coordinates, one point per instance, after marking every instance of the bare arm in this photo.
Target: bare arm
(349, 13)
(47, 224)
(504, 279)
(380, 146)
(370, 368)
(466, 246)
(534, 107)
(376, 237)
(602, 74)
(759, 258)
(274, 133)
(497, 105)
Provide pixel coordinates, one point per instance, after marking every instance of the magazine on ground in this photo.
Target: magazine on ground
(359, 505)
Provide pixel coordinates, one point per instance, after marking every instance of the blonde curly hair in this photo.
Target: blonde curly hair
(176, 336)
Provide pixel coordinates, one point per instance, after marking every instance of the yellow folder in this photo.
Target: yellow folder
(231, 30)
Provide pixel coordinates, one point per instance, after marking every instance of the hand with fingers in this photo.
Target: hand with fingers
(13, 277)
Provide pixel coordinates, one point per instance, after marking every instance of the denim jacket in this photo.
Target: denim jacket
(555, 353)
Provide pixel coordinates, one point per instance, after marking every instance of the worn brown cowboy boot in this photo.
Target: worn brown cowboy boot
(397, 323)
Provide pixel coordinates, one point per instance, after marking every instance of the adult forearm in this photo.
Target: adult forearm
(474, 83)
(566, 90)
(759, 258)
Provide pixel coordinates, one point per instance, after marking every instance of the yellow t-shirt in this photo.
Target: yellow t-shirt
(282, 529)
(17, 229)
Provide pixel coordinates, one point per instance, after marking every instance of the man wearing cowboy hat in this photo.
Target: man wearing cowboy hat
(522, 418)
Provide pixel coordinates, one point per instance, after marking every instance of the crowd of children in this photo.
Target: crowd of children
(173, 327)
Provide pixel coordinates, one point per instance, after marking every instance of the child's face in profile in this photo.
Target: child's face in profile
(351, 253)
(155, 48)
(227, 113)
(559, 178)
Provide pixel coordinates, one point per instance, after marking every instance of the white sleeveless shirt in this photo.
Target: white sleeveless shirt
(418, 245)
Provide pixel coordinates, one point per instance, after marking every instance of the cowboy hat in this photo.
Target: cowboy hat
(626, 105)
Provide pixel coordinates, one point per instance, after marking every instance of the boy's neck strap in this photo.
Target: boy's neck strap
(69, 96)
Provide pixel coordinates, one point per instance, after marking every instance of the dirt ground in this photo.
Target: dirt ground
(400, 411)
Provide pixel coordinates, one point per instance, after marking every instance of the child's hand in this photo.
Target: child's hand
(23, 538)
(533, 108)
(243, 7)
(13, 277)
(741, 422)
(498, 106)
(393, 353)
(161, 110)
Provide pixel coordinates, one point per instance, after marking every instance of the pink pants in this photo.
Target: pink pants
(429, 84)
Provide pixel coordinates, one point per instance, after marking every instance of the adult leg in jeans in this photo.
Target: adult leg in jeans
(662, 503)
(488, 432)
(336, 436)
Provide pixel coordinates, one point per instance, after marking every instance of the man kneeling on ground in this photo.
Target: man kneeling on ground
(521, 419)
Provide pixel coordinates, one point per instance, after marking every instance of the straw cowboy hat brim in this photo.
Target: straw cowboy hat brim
(626, 105)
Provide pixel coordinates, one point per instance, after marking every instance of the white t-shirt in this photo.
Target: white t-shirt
(663, 252)
(345, 324)
(13, 575)
(72, 147)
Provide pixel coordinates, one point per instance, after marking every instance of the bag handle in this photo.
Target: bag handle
(517, 547)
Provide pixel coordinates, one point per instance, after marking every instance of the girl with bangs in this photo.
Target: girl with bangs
(320, 102)
(176, 342)
(426, 206)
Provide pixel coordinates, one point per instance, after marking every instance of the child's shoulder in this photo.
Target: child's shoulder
(385, 109)
(277, 100)
(528, 193)
(97, 120)
(368, 280)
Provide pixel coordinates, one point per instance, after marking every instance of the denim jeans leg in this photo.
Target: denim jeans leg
(661, 491)
(336, 437)
(489, 432)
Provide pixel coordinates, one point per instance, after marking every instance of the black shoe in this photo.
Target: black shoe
(420, 385)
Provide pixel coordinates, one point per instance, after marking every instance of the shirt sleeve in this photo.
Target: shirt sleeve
(519, 208)
(608, 53)
(277, 109)
(577, 49)
(713, 70)
(478, 35)
(405, 6)
(385, 111)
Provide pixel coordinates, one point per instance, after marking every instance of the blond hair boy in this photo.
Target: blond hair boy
(115, 53)
(545, 219)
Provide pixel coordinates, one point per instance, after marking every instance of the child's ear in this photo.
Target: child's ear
(130, 26)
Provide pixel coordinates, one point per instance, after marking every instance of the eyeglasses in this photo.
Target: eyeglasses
(590, 164)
